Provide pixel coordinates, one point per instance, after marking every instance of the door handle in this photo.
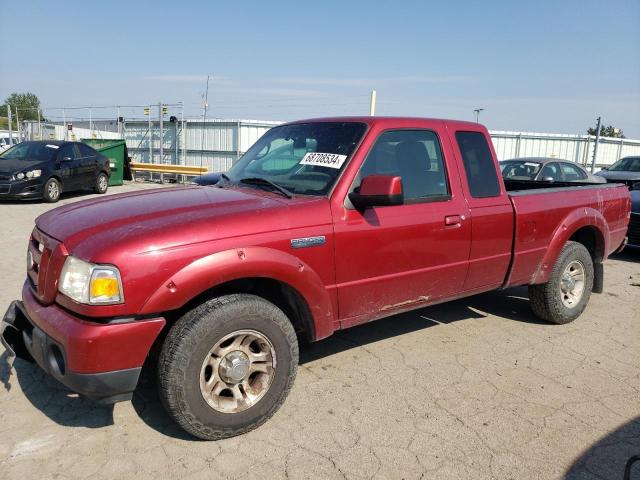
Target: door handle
(453, 220)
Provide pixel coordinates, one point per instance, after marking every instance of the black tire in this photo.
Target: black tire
(51, 190)
(189, 342)
(547, 299)
(102, 183)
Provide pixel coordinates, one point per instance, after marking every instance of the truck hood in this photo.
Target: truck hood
(161, 219)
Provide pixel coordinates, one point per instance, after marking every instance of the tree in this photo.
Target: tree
(608, 131)
(26, 105)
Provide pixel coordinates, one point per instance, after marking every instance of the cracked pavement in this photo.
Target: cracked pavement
(476, 388)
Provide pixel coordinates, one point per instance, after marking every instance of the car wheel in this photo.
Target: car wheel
(102, 183)
(227, 366)
(565, 296)
(51, 190)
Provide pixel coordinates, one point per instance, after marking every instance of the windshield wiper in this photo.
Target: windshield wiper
(265, 182)
(224, 175)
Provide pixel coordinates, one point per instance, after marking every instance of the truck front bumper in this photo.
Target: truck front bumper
(101, 361)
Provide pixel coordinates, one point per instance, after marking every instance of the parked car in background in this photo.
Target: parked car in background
(545, 169)
(5, 143)
(626, 170)
(207, 179)
(45, 169)
(322, 225)
(633, 233)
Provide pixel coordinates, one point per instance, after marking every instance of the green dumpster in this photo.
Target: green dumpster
(116, 152)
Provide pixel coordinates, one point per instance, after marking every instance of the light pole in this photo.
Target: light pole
(477, 112)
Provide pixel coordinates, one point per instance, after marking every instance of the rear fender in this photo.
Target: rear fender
(577, 219)
(250, 262)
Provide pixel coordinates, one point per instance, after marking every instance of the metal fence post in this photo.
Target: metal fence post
(620, 149)
(10, 126)
(595, 145)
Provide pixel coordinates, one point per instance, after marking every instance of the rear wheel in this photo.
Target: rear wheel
(565, 296)
(51, 190)
(227, 366)
(102, 183)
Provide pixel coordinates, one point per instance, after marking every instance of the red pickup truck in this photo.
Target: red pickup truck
(322, 225)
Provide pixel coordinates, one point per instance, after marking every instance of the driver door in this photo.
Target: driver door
(394, 258)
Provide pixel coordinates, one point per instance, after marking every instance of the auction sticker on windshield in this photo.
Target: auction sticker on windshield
(331, 160)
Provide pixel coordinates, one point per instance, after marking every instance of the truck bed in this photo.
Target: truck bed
(543, 212)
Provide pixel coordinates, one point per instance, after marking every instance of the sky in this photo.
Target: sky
(542, 66)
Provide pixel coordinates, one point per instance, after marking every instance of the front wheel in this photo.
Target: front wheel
(227, 366)
(565, 296)
(51, 191)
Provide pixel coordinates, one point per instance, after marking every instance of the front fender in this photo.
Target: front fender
(577, 219)
(250, 262)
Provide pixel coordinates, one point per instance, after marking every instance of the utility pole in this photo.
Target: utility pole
(595, 145)
(372, 105)
(118, 123)
(161, 127)
(10, 127)
(39, 125)
(64, 122)
(18, 124)
(150, 136)
(477, 112)
(205, 105)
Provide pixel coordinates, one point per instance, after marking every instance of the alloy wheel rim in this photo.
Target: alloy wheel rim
(238, 371)
(102, 183)
(53, 190)
(572, 283)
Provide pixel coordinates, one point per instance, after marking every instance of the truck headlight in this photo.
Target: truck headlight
(91, 284)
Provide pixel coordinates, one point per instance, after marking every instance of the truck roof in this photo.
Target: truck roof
(382, 120)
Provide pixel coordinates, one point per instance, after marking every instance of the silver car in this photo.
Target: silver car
(546, 169)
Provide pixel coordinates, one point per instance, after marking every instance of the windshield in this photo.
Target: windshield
(30, 151)
(519, 169)
(304, 158)
(627, 164)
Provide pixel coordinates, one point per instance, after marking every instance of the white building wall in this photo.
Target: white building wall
(217, 143)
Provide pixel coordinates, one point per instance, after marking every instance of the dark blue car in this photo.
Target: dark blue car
(45, 169)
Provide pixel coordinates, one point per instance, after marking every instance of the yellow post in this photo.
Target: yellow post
(372, 107)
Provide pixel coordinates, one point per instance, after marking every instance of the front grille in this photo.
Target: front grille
(634, 229)
(5, 178)
(45, 259)
(4, 188)
(36, 249)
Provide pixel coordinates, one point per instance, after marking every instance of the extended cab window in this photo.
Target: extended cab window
(416, 157)
(478, 164)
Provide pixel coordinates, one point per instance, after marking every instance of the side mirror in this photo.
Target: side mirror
(548, 179)
(606, 167)
(378, 191)
(635, 186)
